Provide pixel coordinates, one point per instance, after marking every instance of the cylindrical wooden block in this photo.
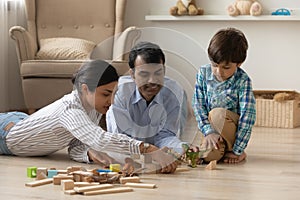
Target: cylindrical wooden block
(141, 185)
(109, 191)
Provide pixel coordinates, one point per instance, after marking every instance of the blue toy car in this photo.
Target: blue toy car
(281, 11)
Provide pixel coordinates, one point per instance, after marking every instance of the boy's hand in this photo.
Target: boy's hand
(211, 141)
(194, 148)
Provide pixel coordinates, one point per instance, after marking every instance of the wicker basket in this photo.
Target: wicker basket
(270, 113)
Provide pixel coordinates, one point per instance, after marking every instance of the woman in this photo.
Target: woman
(72, 122)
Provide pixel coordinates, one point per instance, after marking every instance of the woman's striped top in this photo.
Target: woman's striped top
(65, 123)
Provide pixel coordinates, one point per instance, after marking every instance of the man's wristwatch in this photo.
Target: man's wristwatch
(146, 146)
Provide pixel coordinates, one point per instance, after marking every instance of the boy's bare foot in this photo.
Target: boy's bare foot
(231, 158)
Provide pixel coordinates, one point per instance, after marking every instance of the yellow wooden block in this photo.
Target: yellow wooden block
(115, 167)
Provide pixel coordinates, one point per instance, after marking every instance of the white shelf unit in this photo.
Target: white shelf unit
(222, 18)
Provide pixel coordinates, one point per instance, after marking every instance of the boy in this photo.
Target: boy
(223, 101)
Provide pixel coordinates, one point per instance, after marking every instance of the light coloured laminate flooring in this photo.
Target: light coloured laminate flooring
(271, 171)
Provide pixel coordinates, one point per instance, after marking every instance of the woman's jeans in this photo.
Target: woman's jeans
(7, 121)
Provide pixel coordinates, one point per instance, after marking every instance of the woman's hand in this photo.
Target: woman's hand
(100, 158)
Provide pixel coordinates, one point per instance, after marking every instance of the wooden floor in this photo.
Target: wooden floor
(271, 171)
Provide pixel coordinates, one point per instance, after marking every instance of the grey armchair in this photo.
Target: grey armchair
(60, 35)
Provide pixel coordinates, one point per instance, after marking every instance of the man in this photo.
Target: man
(147, 105)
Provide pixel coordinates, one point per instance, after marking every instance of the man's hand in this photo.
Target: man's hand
(167, 162)
(128, 167)
(100, 158)
(211, 141)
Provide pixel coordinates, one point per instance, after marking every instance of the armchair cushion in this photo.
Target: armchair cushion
(65, 48)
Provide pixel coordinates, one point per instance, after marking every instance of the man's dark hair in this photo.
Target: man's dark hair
(151, 53)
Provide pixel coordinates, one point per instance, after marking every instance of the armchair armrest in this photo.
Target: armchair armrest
(25, 43)
(124, 41)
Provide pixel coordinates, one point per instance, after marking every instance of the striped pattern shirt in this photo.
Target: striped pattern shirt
(65, 123)
(234, 94)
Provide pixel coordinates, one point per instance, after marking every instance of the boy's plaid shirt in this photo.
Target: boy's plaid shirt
(234, 94)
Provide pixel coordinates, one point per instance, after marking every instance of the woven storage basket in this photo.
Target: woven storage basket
(270, 113)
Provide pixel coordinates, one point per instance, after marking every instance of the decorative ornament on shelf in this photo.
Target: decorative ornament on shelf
(245, 7)
(186, 7)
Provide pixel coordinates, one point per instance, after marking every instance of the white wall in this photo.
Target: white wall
(272, 61)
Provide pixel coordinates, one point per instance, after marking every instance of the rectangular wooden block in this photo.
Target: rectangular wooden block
(83, 184)
(41, 173)
(57, 179)
(133, 179)
(70, 192)
(109, 191)
(62, 171)
(51, 173)
(67, 185)
(93, 187)
(39, 182)
(115, 167)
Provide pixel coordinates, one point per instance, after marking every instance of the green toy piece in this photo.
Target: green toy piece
(31, 172)
(192, 157)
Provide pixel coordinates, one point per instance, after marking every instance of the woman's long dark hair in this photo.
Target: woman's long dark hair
(94, 73)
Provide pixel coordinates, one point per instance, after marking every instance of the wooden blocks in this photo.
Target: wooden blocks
(58, 178)
(67, 184)
(141, 185)
(40, 182)
(41, 173)
(86, 182)
(92, 188)
(212, 165)
(82, 184)
(109, 191)
(133, 179)
(74, 168)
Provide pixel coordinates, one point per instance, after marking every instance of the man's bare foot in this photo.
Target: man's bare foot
(231, 158)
